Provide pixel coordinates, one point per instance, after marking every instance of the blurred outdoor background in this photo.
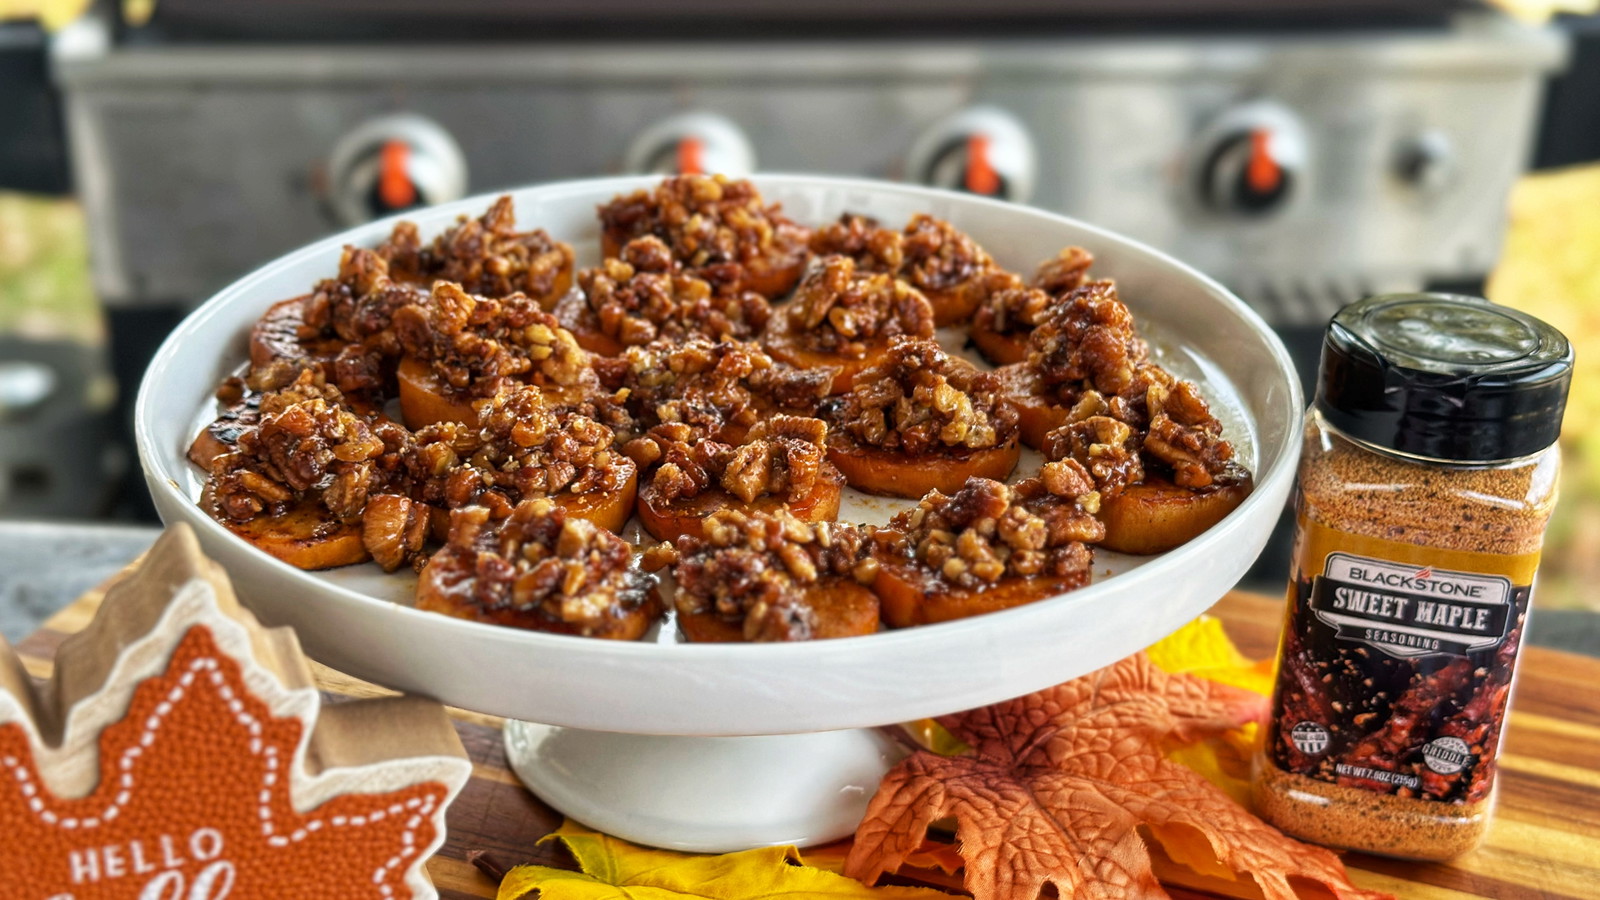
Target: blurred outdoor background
(153, 151)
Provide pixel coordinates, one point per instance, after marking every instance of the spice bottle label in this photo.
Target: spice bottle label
(1396, 664)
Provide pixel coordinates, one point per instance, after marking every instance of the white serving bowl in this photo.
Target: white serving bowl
(359, 620)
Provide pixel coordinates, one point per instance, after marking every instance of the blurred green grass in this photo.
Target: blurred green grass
(45, 292)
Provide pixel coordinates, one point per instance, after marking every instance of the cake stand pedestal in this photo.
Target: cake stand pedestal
(705, 794)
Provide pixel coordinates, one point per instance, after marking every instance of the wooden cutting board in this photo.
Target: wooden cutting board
(1545, 841)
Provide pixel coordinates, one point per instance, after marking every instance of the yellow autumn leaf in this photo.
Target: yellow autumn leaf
(614, 869)
(1202, 648)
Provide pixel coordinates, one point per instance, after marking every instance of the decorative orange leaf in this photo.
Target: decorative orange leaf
(193, 800)
(1059, 783)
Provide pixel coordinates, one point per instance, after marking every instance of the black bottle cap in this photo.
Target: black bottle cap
(1444, 376)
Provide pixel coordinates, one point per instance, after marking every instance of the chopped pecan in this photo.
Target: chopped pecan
(783, 456)
(575, 575)
(522, 449)
(872, 247)
(921, 399)
(987, 531)
(753, 569)
(707, 221)
(840, 309)
(712, 386)
(1064, 272)
(938, 257)
(393, 528)
(475, 343)
(304, 443)
(1088, 337)
(486, 256)
(638, 298)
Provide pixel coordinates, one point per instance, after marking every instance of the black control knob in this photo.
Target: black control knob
(983, 150)
(1251, 161)
(392, 164)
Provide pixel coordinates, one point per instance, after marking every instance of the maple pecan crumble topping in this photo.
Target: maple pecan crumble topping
(938, 257)
(641, 296)
(705, 220)
(920, 399)
(486, 256)
(542, 560)
(987, 531)
(840, 309)
(871, 247)
(306, 444)
(709, 385)
(782, 457)
(752, 568)
(475, 343)
(522, 449)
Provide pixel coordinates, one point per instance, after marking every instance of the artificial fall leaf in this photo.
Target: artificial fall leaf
(1202, 648)
(1059, 784)
(613, 868)
(199, 809)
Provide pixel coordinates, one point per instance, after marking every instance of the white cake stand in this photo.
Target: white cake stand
(679, 745)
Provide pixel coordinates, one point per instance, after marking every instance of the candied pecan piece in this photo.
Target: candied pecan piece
(839, 309)
(712, 223)
(521, 449)
(987, 531)
(393, 529)
(938, 257)
(717, 388)
(1184, 435)
(473, 344)
(540, 569)
(872, 247)
(1064, 272)
(919, 399)
(1089, 337)
(304, 444)
(638, 298)
(754, 570)
(486, 256)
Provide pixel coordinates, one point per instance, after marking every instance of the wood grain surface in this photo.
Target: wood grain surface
(1544, 843)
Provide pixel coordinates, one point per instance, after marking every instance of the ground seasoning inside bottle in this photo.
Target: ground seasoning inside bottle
(1426, 481)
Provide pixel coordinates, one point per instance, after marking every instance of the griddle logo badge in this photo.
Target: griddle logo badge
(1405, 611)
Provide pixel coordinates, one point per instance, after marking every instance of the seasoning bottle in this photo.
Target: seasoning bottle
(1427, 478)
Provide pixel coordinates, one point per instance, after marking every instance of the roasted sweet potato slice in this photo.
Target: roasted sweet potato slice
(667, 521)
(910, 595)
(1000, 349)
(1038, 413)
(608, 509)
(306, 536)
(424, 401)
(1155, 515)
(783, 343)
(440, 591)
(896, 474)
(844, 609)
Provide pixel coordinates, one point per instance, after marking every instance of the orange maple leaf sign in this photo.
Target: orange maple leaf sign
(1058, 784)
(193, 802)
